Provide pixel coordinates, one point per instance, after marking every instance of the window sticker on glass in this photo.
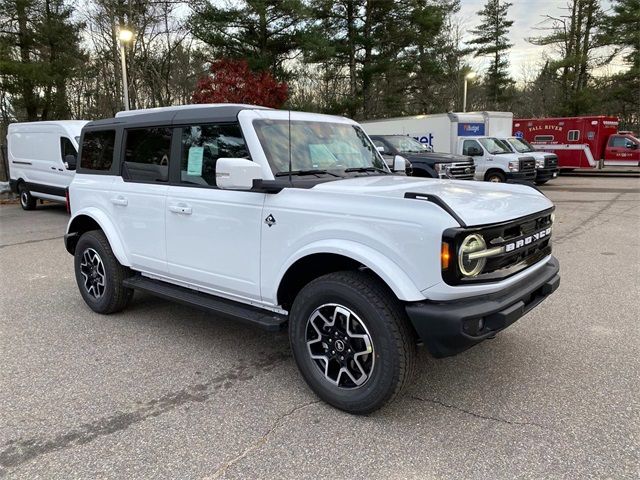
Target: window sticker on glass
(321, 156)
(194, 161)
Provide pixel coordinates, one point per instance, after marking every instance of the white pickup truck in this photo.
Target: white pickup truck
(280, 218)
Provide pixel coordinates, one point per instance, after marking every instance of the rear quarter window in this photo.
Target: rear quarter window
(97, 148)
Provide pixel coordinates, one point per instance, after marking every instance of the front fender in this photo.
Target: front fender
(391, 274)
(107, 227)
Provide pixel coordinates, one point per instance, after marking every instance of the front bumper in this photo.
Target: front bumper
(448, 328)
(521, 175)
(544, 174)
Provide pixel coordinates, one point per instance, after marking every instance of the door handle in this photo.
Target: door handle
(120, 201)
(180, 208)
(53, 168)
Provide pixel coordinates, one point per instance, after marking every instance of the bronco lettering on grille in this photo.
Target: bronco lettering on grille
(522, 242)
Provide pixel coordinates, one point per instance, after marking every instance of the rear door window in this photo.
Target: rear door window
(97, 150)
(146, 155)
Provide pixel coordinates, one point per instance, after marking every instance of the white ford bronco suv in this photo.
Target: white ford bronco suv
(282, 218)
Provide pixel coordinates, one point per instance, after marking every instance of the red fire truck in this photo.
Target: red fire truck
(581, 142)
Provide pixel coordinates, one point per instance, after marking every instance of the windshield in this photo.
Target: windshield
(406, 144)
(493, 145)
(333, 147)
(521, 146)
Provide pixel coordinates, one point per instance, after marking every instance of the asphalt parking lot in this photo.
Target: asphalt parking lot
(165, 391)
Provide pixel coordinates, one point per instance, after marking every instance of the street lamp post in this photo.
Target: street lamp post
(468, 76)
(124, 36)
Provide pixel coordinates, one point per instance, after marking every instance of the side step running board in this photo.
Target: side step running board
(220, 306)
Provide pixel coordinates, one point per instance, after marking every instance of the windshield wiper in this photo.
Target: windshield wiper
(306, 172)
(365, 169)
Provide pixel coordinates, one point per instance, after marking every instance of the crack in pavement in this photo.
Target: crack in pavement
(17, 452)
(583, 225)
(478, 415)
(31, 241)
(261, 441)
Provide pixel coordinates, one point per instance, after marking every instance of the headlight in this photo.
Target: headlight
(441, 168)
(468, 267)
(513, 166)
(540, 163)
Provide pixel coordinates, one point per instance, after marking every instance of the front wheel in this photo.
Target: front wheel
(496, 177)
(352, 341)
(99, 275)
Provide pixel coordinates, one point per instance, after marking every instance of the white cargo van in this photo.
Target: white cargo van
(470, 134)
(42, 159)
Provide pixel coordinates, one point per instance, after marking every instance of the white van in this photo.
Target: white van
(42, 159)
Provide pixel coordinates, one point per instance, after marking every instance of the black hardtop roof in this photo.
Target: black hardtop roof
(179, 115)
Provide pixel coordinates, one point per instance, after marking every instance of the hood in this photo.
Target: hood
(476, 203)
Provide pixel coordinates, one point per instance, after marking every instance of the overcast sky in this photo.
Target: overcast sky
(526, 16)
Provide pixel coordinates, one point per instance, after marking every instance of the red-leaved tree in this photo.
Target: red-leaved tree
(232, 81)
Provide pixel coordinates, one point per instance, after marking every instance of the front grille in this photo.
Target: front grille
(523, 256)
(527, 164)
(526, 240)
(461, 171)
(550, 161)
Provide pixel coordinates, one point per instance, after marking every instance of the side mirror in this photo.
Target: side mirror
(474, 152)
(380, 148)
(70, 162)
(237, 173)
(632, 146)
(399, 164)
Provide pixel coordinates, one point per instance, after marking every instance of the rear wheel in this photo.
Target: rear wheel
(352, 341)
(99, 275)
(27, 202)
(496, 177)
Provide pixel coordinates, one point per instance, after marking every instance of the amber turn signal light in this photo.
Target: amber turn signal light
(445, 256)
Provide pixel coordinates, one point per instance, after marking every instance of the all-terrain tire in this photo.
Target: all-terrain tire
(93, 256)
(376, 312)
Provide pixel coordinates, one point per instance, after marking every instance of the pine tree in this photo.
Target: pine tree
(374, 45)
(264, 32)
(39, 48)
(491, 40)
